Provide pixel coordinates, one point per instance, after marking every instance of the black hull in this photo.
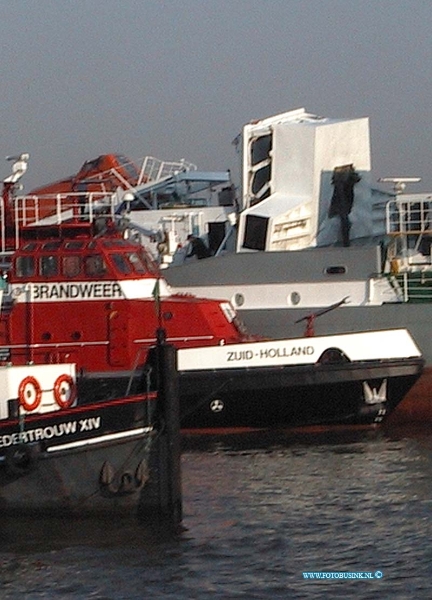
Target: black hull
(294, 396)
(94, 459)
(323, 394)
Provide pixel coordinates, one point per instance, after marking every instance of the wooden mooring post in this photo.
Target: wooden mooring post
(164, 489)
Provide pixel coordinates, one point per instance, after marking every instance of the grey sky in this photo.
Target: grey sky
(179, 79)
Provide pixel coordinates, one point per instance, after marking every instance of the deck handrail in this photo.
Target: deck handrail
(154, 169)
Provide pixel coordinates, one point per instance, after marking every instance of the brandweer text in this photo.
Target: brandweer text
(62, 291)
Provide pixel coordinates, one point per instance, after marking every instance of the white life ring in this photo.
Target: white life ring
(29, 393)
(64, 391)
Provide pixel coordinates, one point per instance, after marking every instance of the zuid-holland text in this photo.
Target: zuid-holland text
(269, 353)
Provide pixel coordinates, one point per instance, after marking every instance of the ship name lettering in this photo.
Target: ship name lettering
(61, 291)
(90, 424)
(239, 355)
(287, 352)
(41, 433)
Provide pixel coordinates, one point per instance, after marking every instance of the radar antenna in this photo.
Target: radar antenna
(18, 168)
(399, 183)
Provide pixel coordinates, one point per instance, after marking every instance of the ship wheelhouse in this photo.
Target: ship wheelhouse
(76, 256)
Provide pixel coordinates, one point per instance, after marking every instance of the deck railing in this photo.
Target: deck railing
(52, 210)
(414, 286)
(154, 169)
(409, 216)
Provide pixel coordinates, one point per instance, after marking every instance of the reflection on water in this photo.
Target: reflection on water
(259, 510)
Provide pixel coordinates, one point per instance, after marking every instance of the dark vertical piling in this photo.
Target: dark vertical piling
(171, 497)
(161, 497)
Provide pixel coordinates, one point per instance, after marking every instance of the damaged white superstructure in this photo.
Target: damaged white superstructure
(290, 164)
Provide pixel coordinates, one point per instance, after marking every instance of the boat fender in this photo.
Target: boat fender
(64, 391)
(21, 459)
(29, 393)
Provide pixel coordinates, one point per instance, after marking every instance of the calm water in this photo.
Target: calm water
(259, 510)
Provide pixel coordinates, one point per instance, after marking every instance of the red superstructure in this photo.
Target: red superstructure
(78, 291)
(96, 299)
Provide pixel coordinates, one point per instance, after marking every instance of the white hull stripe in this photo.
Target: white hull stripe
(369, 345)
(101, 439)
(183, 338)
(73, 291)
(304, 294)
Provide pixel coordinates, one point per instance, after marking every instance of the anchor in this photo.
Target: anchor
(113, 483)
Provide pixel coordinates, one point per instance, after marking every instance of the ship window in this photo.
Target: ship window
(94, 265)
(295, 298)
(121, 263)
(30, 247)
(261, 177)
(71, 266)
(137, 264)
(239, 299)
(337, 270)
(260, 148)
(48, 266)
(51, 245)
(255, 232)
(149, 263)
(74, 245)
(255, 200)
(115, 242)
(25, 266)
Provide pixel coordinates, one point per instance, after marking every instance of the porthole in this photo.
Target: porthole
(239, 299)
(336, 270)
(295, 298)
